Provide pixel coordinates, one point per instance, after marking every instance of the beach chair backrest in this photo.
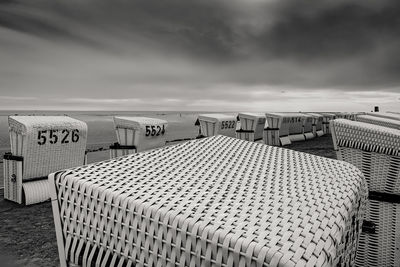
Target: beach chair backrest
(47, 143)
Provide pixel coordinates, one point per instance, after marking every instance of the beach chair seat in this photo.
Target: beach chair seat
(216, 201)
(40, 145)
(251, 126)
(135, 134)
(375, 150)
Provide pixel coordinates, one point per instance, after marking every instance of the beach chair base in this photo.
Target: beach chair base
(285, 140)
(118, 150)
(320, 133)
(19, 190)
(297, 137)
(309, 136)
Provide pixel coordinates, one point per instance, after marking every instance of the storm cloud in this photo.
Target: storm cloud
(200, 54)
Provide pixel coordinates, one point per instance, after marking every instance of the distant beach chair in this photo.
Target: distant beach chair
(215, 124)
(382, 121)
(40, 145)
(348, 115)
(284, 128)
(214, 201)
(251, 126)
(375, 150)
(308, 126)
(135, 134)
(317, 124)
(327, 117)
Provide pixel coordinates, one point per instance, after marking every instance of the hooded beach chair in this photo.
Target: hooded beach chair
(215, 201)
(375, 150)
(135, 134)
(40, 145)
(251, 126)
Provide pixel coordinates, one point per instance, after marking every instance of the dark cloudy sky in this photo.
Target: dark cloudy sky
(254, 55)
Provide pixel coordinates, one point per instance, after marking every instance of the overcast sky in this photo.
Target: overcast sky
(227, 55)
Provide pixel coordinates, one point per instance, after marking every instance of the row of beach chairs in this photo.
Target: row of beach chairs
(218, 200)
(277, 129)
(44, 144)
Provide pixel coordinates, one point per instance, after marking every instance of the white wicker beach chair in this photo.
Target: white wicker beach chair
(136, 134)
(317, 124)
(40, 145)
(387, 115)
(390, 123)
(284, 128)
(375, 150)
(251, 126)
(309, 122)
(215, 201)
(325, 123)
(215, 124)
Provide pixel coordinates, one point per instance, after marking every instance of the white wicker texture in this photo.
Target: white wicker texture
(47, 143)
(381, 248)
(254, 122)
(214, 201)
(215, 124)
(367, 137)
(392, 116)
(375, 151)
(142, 132)
(390, 123)
(346, 115)
(12, 173)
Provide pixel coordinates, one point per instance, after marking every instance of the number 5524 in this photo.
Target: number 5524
(152, 130)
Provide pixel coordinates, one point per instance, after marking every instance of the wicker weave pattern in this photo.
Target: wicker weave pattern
(381, 168)
(390, 123)
(40, 160)
(381, 248)
(392, 116)
(214, 201)
(367, 137)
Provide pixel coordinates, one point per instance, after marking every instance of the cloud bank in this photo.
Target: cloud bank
(197, 55)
